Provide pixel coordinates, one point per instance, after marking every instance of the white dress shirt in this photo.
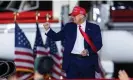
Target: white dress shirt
(79, 43)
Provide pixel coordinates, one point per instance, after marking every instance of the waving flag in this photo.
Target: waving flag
(49, 48)
(24, 60)
(56, 71)
(39, 48)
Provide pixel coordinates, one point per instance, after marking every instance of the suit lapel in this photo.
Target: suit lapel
(74, 32)
(86, 31)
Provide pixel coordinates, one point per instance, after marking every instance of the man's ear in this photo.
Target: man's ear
(71, 19)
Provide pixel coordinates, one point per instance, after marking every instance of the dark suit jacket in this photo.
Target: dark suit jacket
(69, 34)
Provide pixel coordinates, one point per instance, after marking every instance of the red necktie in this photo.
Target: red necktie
(88, 40)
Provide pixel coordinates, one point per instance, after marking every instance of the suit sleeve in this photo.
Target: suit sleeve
(97, 39)
(56, 36)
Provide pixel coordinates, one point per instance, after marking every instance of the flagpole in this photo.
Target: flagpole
(37, 14)
(15, 16)
(48, 16)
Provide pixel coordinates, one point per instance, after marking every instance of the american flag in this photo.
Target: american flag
(24, 60)
(56, 71)
(49, 48)
(39, 48)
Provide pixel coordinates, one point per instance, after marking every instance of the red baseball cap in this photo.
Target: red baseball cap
(77, 10)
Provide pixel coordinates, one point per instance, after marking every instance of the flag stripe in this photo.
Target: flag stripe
(42, 53)
(56, 64)
(57, 56)
(39, 55)
(26, 76)
(23, 67)
(39, 48)
(56, 72)
(23, 53)
(21, 49)
(19, 56)
(57, 69)
(24, 64)
(24, 60)
(56, 60)
(55, 76)
(24, 70)
(19, 69)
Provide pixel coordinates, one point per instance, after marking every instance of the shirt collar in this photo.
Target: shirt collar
(83, 24)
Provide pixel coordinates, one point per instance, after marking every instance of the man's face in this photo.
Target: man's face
(77, 19)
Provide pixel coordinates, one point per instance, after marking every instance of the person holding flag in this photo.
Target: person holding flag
(82, 41)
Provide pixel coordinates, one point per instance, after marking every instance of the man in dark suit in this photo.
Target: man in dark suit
(79, 59)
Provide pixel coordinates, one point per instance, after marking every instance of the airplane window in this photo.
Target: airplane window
(45, 5)
(25, 5)
(9, 5)
(3, 4)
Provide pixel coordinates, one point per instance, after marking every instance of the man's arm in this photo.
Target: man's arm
(53, 35)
